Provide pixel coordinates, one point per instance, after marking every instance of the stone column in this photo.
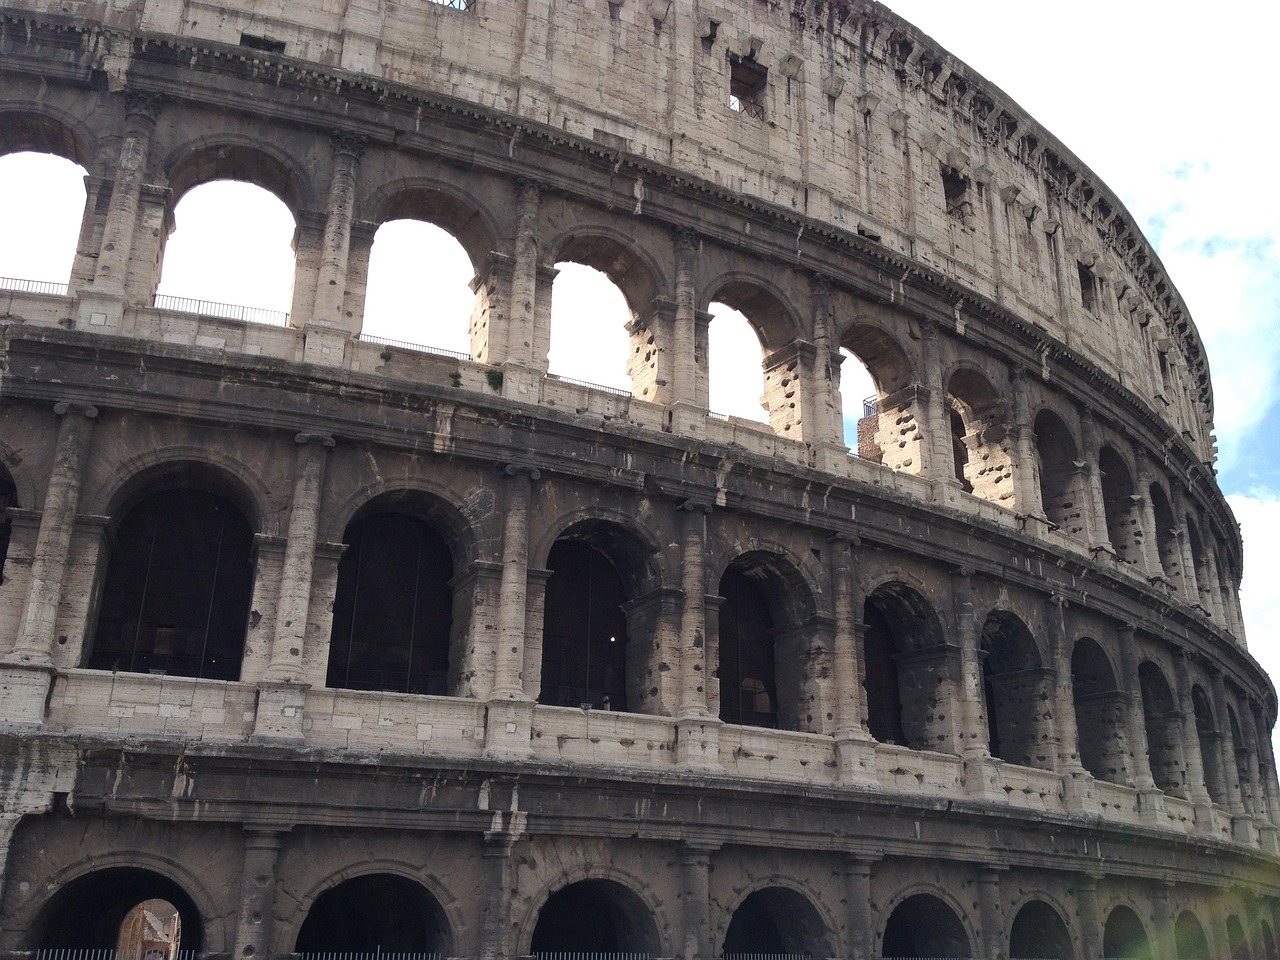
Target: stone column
(1090, 917)
(299, 558)
(695, 870)
(282, 690)
(1135, 726)
(1190, 585)
(1162, 919)
(1254, 793)
(112, 270)
(257, 893)
(510, 712)
(1101, 539)
(687, 414)
(336, 245)
(697, 731)
(1226, 742)
(823, 406)
(939, 463)
(1064, 708)
(1268, 777)
(855, 750)
(1197, 792)
(57, 522)
(495, 921)
(1150, 539)
(991, 935)
(861, 927)
(1213, 589)
(1026, 474)
(974, 739)
(524, 278)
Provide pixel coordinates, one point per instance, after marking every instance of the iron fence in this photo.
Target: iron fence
(33, 286)
(415, 347)
(223, 311)
(616, 391)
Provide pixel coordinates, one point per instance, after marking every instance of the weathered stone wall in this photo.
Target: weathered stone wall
(1043, 651)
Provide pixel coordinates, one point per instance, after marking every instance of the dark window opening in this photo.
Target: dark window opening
(748, 81)
(1165, 372)
(960, 451)
(8, 498)
(1088, 288)
(584, 630)
(955, 192)
(454, 4)
(1189, 936)
(1039, 932)
(776, 922)
(88, 912)
(265, 44)
(593, 916)
(393, 613)
(377, 912)
(924, 926)
(176, 595)
(884, 699)
(1124, 936)
(748, 688)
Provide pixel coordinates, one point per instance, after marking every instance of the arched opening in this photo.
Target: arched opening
(886, 412)
(89, 912)
(8, 498)
(748, 681)
(584, 630)
(1166, 536)
(151, 931)
(175, 598)
(409, 257)
(1210, 745)
(777, 357)
(778, 922)
(42, 226)
(1121, 507)
(1189, 937)
(858, 396)
(1268, 940)
(1124, 937)
(1164, 743)
(1236, 941)
(1199, 573)
(924, 926)
(769, 664)
(1018, 692)
(594, 916)
(1242, 757)
(735, 383)
(1100, 717)
(906, 669)
(212, 263)
(980, 438)
(1061, 490)
(376, 912)
(1038, 932)
(393, 607)
(590, 336)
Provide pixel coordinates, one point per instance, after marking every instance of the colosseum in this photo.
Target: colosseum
(969, 682)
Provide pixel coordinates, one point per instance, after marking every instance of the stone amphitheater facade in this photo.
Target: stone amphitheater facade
(340, 646)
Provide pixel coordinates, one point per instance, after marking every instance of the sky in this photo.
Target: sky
(1161, 101)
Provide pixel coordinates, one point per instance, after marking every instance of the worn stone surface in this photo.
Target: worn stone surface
(1007, 697)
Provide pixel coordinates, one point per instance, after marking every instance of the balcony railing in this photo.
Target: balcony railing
(33, 286)
(223, 311)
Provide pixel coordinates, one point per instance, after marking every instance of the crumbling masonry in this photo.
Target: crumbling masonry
(339, 646)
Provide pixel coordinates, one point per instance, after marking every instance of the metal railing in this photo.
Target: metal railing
(376, 954)
(616, 391)
(223, 311)
(592, 956)
(104, 953)
(454, 4)
(33, 286)
(415, 347)
(869, 408)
